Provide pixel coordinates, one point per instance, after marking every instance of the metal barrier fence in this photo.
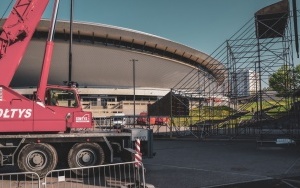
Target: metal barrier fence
(16, 180)
(114, 175)
(118, 175)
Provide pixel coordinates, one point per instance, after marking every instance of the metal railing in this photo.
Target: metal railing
(113, 175)
(104, 176)
(20, 179)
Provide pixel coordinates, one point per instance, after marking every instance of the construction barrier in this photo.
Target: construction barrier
(138, 154)
(14, 180)
(104, 176)
(114, 175)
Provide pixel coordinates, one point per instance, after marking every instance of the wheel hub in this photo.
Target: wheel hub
(37, 159)
(86, 157)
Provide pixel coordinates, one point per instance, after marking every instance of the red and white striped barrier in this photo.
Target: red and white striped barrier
(138, 154)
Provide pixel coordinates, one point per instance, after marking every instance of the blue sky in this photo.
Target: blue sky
(200, 24)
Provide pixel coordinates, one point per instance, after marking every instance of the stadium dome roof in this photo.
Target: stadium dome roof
(102, 54)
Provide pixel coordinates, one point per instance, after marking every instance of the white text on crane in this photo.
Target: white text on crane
(15, 113)
(83, 119)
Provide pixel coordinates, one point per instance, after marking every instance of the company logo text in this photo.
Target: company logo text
(85, 118)
(15, 113)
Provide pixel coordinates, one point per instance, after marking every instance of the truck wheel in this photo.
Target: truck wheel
(85, 154)
(38, 158)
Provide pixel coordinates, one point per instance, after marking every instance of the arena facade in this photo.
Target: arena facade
(102, 64)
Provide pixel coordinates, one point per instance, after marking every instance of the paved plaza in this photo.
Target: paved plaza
(197, 163)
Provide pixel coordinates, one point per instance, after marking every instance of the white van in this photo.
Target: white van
(118, 120)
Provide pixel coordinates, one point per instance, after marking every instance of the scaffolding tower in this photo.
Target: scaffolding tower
(242, 101)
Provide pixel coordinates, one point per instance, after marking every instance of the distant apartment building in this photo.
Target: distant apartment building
(244, 83)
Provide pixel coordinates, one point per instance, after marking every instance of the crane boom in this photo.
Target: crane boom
(16, 35)
(40, 114)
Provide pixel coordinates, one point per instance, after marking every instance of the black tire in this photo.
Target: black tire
(83, 155)
(38, 158)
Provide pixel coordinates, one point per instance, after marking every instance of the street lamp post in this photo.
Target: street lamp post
(133, 72)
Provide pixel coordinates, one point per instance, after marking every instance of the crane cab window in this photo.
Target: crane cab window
(62, 98)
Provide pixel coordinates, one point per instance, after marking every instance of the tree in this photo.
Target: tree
(286, 80)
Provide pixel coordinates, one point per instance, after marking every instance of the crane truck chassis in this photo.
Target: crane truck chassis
(36, 133)
(41, 153)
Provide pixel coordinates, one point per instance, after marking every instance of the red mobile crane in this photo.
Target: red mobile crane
(33, 133)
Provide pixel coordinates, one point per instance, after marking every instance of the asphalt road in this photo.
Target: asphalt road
(195, 163)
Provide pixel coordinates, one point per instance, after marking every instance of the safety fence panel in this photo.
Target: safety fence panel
(112, 175)
(22, 179)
